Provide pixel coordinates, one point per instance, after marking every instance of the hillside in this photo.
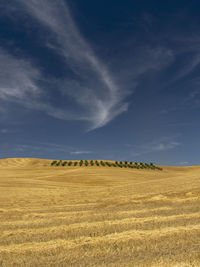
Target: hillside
(96, 216)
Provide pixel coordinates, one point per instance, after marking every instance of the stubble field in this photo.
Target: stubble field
(98, 216)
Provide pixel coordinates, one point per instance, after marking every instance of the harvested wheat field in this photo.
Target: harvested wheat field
(95, 216)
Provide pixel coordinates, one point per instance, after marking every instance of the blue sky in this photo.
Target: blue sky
(114, 80)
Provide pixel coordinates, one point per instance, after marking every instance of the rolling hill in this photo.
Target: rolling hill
(96, 216)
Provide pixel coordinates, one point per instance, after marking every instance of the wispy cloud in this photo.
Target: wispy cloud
(50, 147)
(183, 163)
(160, 145)
(165, 146)
(17, 79)
(193, 99)
(188, 67)
(20, 84)
(80, 152)
(98, 94)
(6, 131)
(94, 89)
(38, 149)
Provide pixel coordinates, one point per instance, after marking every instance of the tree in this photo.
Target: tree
(119, 164)
(97, 163)
(59, 163)
(92, 163)
(108, 164)
(86, 163)
(147, 165)
(102, 163)
(81, 162)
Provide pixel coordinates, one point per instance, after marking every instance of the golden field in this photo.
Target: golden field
(98, 216)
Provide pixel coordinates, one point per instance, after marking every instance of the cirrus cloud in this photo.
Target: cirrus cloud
(98, 94)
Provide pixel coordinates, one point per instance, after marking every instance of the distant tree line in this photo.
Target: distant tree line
(120, 164)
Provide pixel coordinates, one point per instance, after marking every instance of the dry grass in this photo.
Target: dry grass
(98, 216)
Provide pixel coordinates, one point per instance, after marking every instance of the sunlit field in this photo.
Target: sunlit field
(98, 216)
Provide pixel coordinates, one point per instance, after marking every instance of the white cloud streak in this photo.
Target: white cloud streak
(99, 95)
(165, 146)
(160, 145)
(4, 131)
(49, 148)
(20, 84)
(183, 163)
(95, 90)
(17, 79)
(188, 68)
(80, 152)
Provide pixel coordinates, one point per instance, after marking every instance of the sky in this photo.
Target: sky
(113, 80)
